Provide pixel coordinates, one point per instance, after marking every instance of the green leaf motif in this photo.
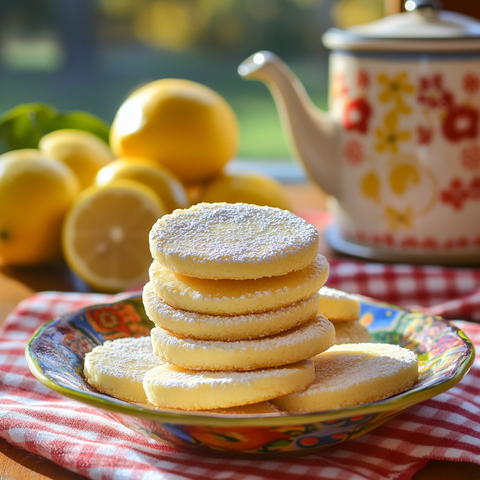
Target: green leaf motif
(24, 125)
(277, 445)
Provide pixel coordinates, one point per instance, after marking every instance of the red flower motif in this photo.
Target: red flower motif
(461, 121)
(471, 83)
(388, 239)
(461, 242)
(430, 243)
(424, 135)
(356, 115)
(449, 245)
(471, 157)
(476, 241)
(409, 242)
(456, 194)
(432, 93)
(363, 80)
(474, 188)
(353, 152)
(376, 239)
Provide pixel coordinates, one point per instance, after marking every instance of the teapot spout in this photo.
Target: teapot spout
(314, 136)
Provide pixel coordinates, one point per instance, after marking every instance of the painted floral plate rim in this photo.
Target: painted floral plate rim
(445, 356)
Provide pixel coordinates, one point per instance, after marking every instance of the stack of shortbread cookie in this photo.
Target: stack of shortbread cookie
(234, 294)
(343, 310)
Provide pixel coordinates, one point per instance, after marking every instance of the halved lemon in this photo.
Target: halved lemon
(105, 235)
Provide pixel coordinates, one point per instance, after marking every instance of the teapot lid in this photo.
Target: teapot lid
(425, 27)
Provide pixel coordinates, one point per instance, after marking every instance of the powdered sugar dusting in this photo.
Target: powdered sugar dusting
(187, 317)
(315, 328)
(270, 292)
(343, 366)
(177, 377)
(239, 232)
(128, 358)
(336, 294)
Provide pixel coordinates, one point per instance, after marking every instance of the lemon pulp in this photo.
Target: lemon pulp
(105, 235)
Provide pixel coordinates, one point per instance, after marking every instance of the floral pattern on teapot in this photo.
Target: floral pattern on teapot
(411, 151)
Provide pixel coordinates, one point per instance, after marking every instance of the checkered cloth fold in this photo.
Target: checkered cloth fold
(84, 440)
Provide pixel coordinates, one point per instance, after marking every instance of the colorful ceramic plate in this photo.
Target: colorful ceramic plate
(55, 355)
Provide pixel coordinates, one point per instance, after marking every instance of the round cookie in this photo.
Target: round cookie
(237, 297)
(338, 306)
(169, 386)
(294, 345)
(353, 374)
(233, 241)
(117, 367)
(351, 332)
(263, 408)
(182, 323)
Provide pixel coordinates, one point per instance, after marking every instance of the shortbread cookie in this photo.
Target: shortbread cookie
(117, 367)
(263, 408)
(169, 386)
(353, 374)
(338, 306)
(351, 332)
(237, 297)
(294, 345)
(233, 241)
(182, 323)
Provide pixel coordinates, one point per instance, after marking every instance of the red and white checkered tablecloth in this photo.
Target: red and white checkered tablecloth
(452, 293)
(86, 441)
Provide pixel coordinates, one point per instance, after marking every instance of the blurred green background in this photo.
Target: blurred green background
(90, 54)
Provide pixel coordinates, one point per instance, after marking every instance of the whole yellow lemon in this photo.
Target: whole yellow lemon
(183, 125)
(82, 151)
(35, 195)
(246, 187)
(22, 153)
(163, 182)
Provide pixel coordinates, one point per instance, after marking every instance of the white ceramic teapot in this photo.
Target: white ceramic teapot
(399, 150)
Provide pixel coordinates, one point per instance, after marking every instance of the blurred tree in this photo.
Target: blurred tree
(228, 26)
(237, 26)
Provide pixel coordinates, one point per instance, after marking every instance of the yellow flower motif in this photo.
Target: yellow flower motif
(395, 89)
(371, 186)
(402, 177)
(389, 137)
(398, 219)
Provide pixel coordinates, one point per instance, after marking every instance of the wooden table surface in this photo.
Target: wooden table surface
(16, 284)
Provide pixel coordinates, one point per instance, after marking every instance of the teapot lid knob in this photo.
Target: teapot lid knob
(423, 5)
